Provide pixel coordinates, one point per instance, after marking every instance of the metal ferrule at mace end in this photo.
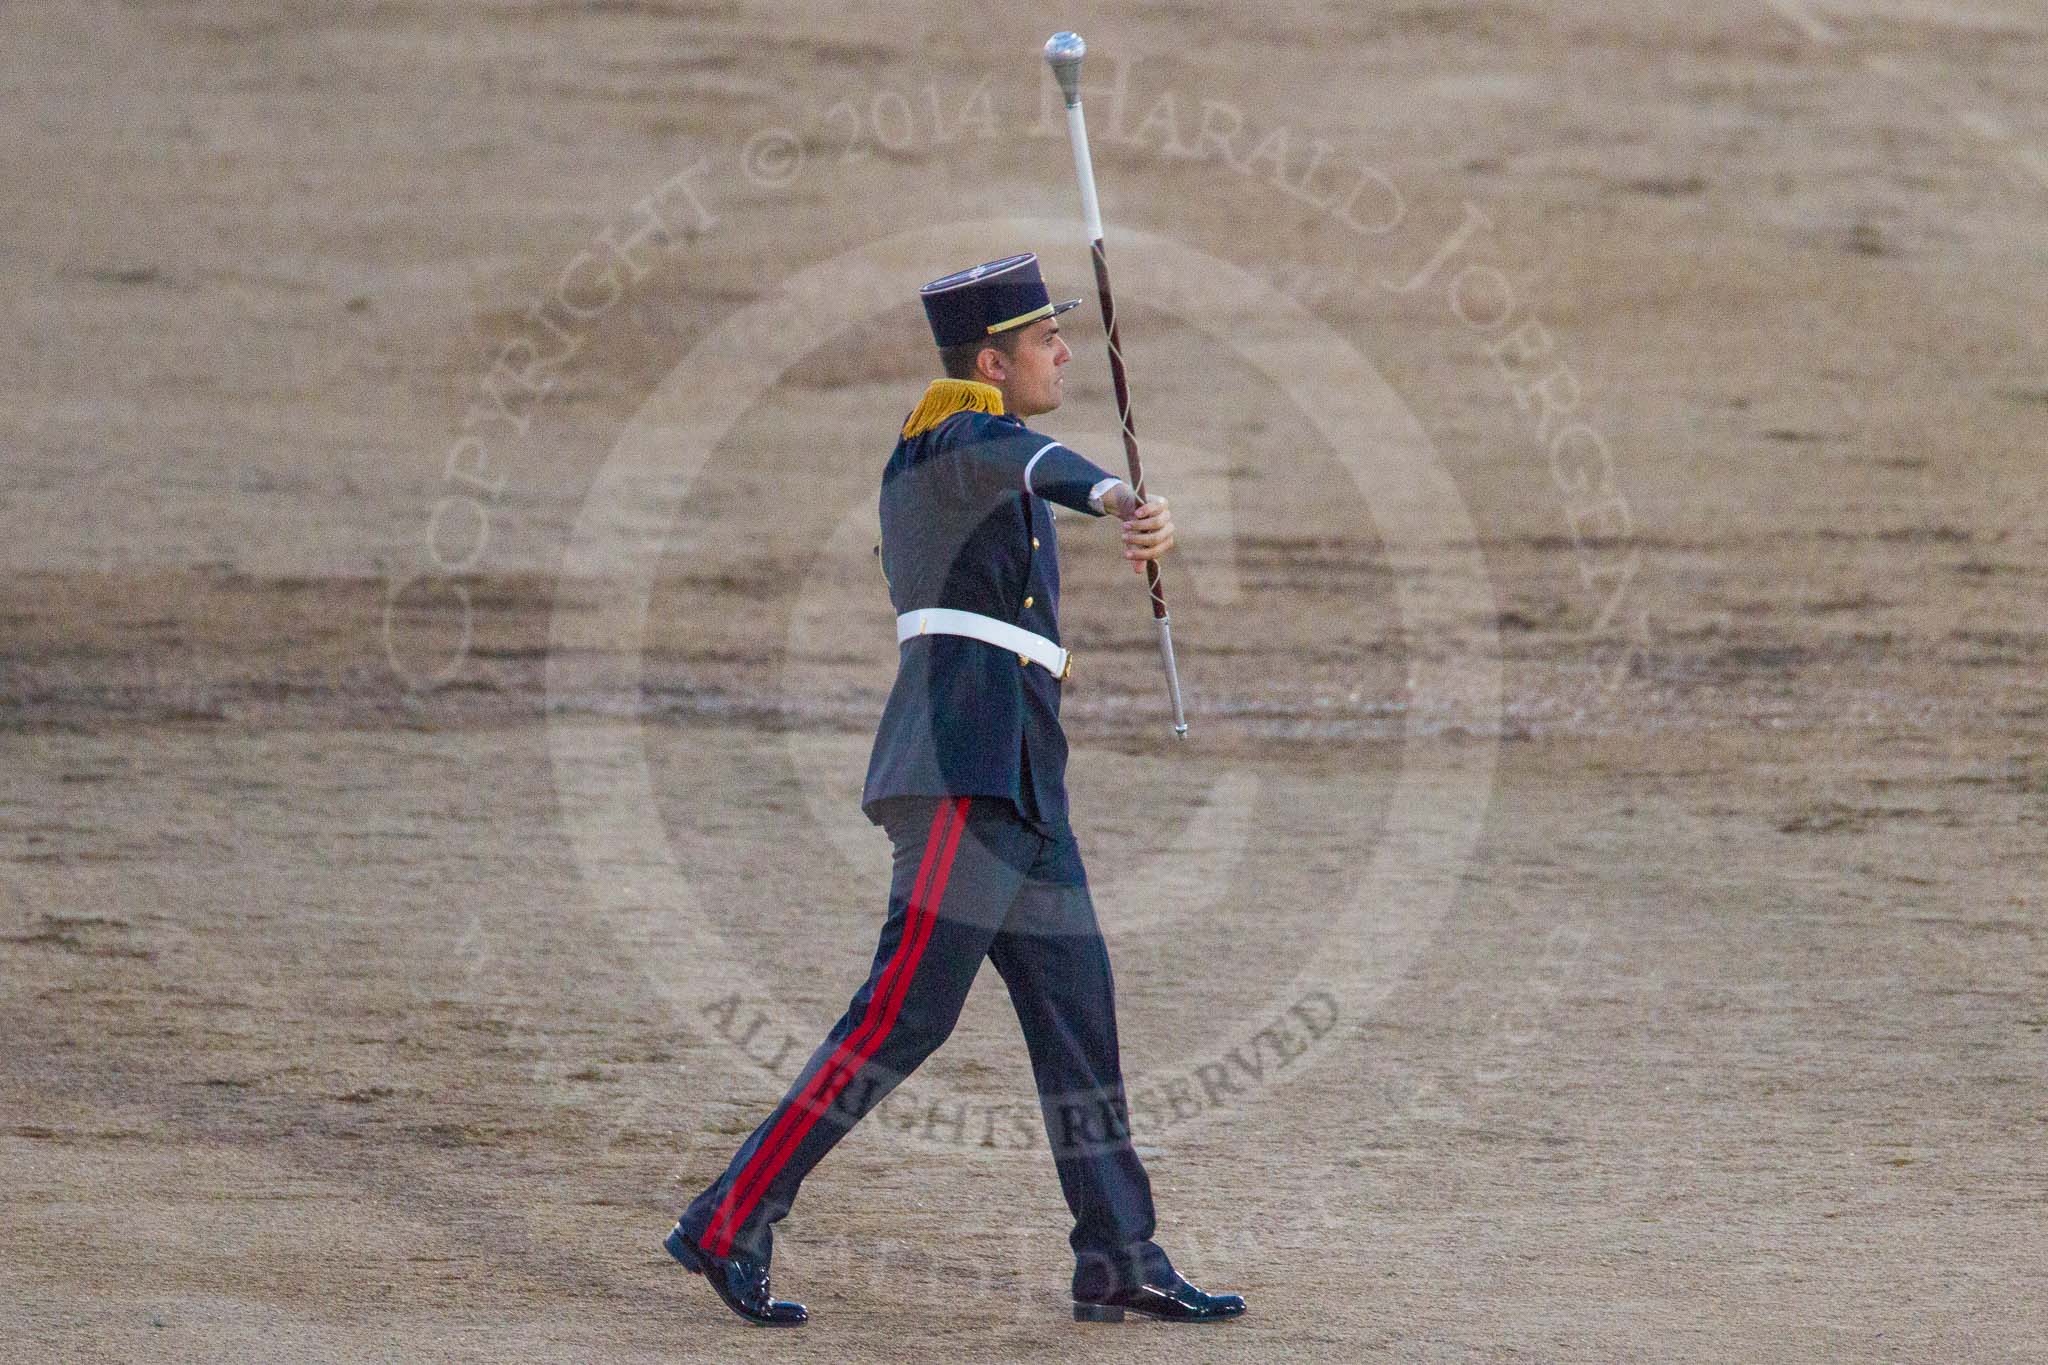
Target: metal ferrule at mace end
(1180, 720)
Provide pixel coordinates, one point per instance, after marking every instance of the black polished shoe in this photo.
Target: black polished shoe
(742, 1283)
(1178, 1301)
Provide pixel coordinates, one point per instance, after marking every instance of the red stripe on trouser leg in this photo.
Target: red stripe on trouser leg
(860, 1045)
(864, 1043)
(719, 1233)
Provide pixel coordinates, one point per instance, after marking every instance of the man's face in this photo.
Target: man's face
(1034, 372)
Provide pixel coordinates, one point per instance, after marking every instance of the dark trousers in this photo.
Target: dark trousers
(972, 880)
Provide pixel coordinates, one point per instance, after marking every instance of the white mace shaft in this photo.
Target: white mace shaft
(1084, 167)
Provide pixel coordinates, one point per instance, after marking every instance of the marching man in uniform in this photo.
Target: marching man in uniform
(968, 777)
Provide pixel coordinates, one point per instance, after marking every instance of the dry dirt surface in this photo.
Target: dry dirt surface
(1597, 915)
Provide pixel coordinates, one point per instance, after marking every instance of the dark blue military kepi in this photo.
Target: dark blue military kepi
(989, 298)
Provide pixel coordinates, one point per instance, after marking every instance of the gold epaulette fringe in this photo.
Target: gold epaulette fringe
(948, 396)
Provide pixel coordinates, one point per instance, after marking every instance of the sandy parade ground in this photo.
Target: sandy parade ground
(1597, 914)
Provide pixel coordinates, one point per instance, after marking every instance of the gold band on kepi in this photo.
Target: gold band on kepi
(1051, 310)
(997, 296)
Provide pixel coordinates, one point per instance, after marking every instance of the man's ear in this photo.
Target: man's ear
(991, 370)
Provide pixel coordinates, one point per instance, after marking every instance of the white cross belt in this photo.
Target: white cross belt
(1023, 643)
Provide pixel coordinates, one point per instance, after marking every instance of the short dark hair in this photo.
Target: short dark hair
(959, 360)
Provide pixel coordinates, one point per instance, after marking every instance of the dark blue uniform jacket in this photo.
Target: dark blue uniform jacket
(961, 529)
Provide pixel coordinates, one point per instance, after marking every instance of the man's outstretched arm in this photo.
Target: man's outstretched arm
(1024, 459)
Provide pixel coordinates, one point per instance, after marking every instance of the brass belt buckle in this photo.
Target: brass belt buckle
(1067, 667)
